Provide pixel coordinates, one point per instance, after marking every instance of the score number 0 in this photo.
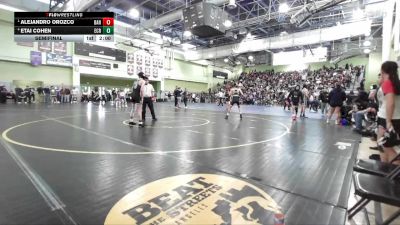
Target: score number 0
(108, 22)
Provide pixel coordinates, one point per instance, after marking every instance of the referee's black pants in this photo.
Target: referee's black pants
(149, 102)
(185, 100)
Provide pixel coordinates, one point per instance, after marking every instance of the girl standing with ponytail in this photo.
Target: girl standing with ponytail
(389, 110)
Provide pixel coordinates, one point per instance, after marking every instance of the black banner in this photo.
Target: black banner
(66, 15)
(97, 51)
(219, 74)
(61, 30)
(94, 64)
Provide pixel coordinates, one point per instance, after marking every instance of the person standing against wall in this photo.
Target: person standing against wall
(147, 93)
(177, 96)
(74, 96)
(62, 94)
(28, 94)
(389, 110)
(46, 91)
(185, 98)
(67, 96)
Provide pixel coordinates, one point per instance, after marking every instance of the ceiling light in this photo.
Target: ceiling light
(187, 33)
(283, 8)
(228, 23)
(367, 51)
(358, 14)
(134, 13)
(367, 43)
(250, 57)
(226, 60)
(210, 55)
(232, 4)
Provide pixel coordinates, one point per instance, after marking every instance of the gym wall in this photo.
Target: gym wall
(100, 81)
(357, 60)
(15, 59)
(191, 86)
(49, 75)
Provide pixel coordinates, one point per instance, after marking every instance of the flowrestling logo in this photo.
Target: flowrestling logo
(195, 199)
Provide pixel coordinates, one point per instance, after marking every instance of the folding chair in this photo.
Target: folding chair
(377, 188)
(374, 167)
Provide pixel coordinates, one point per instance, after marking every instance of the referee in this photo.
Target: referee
(147, 92)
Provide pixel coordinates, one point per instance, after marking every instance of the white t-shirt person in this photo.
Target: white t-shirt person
(147, 90)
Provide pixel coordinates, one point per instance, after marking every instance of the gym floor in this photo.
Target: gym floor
(81, 164)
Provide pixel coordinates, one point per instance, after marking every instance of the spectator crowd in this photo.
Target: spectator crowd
(270, 87)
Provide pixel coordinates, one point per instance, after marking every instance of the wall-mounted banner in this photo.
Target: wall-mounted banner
(139, 59)
(93, 64)
(130, 57)
(151, 65)
(60, 48)
(130, 69)
(147, 60)
(155, 61)
(45, 46)
(147, 71)
(155, 72)
(36, 58)
(219, 74)
(59, 60)
(196, 199)
(139, 69)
